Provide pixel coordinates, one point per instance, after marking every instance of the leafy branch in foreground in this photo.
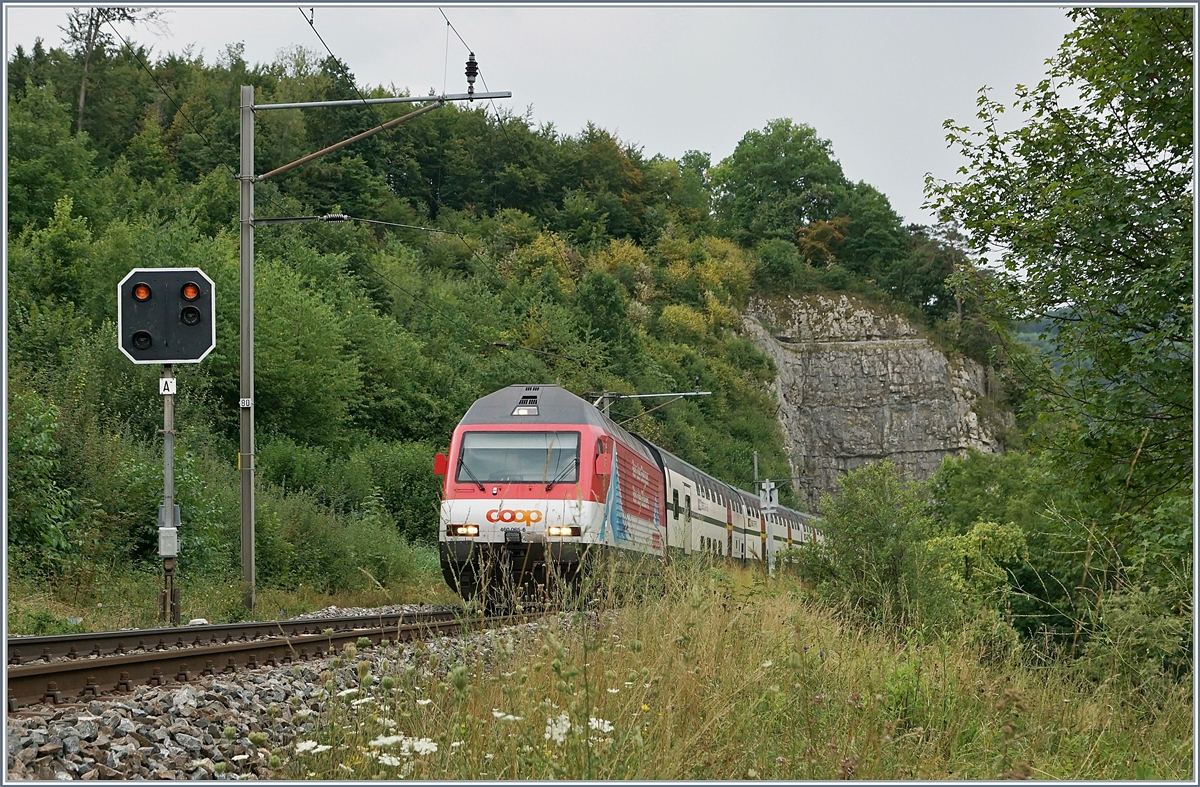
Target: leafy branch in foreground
(1090, 205)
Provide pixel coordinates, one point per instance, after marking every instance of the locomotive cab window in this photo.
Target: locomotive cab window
(519, 457)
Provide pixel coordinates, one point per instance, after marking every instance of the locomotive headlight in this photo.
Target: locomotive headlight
(464, 530)
(556, 530)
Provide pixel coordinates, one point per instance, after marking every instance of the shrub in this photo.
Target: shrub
(868, 564)
(39, 509)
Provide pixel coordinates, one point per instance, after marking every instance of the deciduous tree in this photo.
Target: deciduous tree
(1089, 204)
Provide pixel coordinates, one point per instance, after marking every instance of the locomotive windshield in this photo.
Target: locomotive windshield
(521, 457)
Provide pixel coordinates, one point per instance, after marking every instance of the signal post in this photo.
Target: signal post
(167, 316)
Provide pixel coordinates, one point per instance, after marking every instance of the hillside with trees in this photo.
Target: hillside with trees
(486, 249)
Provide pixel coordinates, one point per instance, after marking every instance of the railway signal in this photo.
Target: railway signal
(167, 316)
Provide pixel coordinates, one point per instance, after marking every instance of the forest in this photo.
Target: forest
(485, 249)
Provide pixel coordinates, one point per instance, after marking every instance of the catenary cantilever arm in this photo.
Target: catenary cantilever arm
(339, 145)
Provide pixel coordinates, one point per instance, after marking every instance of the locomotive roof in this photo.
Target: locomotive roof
(554, 405)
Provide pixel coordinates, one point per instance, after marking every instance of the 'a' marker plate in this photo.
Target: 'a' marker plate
(166, 386)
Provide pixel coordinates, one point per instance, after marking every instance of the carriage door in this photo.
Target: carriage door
(768, 544)
(687, 518)
(765, 544)
(728, 529)
(687, 523)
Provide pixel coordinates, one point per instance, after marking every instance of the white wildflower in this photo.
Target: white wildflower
(389, 723)
(456, 744)
(388, 759)
(628, 683)
(303, 746)
(600, 724)
(767, 663)
(614, 691)
(321, 748)
(557, 728)
(240, 757)
(363, 701)
(502, 716)
(390, 740)
(347, 692)
(424, 702)
(424, 746)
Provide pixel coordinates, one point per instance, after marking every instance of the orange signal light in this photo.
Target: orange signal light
(190, 291)
(141, 292)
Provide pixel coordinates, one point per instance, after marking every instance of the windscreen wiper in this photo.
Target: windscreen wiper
(563, 474)
(462, 462)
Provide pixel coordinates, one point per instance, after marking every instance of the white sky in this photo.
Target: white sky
(876, 81)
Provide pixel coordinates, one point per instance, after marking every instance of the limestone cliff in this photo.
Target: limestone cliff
(856, 385)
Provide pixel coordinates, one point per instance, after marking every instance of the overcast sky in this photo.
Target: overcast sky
(876, 81)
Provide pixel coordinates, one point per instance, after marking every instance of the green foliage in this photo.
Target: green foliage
(777, 180)
(1012, 488)
(1097, 246)
(300, 542)
(39, 508)
(44, 159)
(1090, 203)
(869, 563)
(970, 569)
(893, 560)
(308, 381)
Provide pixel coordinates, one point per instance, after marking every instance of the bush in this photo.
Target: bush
(886, 562)
(778, 265)
(300, 541)
(400, 475)
(868, 564)
(39, 509)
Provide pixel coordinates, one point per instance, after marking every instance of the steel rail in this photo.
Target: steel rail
(78, 680)
(21, 650)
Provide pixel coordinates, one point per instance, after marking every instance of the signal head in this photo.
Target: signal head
(141, 292)
(190, 291)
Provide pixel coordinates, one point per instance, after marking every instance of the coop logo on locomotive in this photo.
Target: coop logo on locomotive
(510, 515)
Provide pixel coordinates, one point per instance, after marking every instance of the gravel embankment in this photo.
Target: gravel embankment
(180, 731)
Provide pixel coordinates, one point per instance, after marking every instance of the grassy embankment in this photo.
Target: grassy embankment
(722, 675)
(131, 600)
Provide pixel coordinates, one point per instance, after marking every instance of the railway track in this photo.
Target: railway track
(79, 667)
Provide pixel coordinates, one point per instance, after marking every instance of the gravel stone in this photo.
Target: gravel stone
(177, 731)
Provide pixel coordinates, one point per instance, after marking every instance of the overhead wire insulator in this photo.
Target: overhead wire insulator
(472, 72)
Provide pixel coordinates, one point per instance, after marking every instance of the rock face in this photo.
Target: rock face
(856, 385)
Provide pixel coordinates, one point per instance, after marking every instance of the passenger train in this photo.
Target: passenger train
(537, 478)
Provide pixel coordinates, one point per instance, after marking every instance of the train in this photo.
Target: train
(538, 479)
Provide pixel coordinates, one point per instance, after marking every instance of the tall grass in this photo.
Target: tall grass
(717, 673)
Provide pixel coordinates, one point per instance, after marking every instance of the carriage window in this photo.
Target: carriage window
(523, 457)
(675, 502)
